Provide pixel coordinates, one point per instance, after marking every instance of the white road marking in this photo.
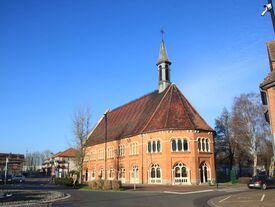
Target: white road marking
(224, 199)
(214, 204)
(186, 193)
(262, 197)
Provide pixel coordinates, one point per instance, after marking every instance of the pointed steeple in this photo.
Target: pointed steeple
(163, 64)
(163, 56)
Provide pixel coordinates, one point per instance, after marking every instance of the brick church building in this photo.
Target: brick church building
(158, 138)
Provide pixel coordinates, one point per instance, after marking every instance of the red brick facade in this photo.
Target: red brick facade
(156, 139)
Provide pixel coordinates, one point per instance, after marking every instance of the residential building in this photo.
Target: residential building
(158, 138)
(268, 93)
(61, 163)
(14, 163)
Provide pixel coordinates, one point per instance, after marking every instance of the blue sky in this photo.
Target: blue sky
(56, 56)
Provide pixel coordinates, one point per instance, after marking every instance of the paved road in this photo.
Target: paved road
(251, 198)
(160, 198)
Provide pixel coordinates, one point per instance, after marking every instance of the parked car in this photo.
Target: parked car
(262, 182)
(18, 178)
(8, 179)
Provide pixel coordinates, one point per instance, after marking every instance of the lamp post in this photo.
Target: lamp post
(6, 169)
(269, 8)
(106, 134)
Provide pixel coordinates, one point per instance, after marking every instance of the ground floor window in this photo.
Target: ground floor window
(203, 172)
(134, 174)
(180, 174)
(121, 174)
(155, 174)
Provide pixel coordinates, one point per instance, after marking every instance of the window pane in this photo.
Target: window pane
(207, 145)
(153, 174)
(154, 146)
(177, 172)
(160, 73)
(158, 146)
(179, 145)
(158, 172)
(185, 145)
(183, 172)
(149, 146)
(203, 145)
(174, 145)
(199, 144)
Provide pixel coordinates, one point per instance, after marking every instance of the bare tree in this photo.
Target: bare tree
(81, 128)
(249, 124)
(225, 142)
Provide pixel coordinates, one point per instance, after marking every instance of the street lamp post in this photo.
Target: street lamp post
(269, 8)
(6, 169)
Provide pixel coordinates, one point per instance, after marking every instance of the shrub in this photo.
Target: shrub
(99, 184)
(63, 181)
(107, 185)
(116, 184)
(93, 185)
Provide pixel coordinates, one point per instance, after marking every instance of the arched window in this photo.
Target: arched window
(207, 145)
(149, 146)
(199, 144)
(174, 145)
(154, 146)
(203, 145)
(155, 174)
(185, 145)
(180, 174)
(158, 146)
(179, 145)
(160, 73)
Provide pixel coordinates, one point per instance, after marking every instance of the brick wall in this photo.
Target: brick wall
(166, 159)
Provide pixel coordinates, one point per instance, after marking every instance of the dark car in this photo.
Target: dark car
(262, 182)
(8, 179)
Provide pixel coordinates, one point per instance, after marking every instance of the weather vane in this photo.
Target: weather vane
(162, 32)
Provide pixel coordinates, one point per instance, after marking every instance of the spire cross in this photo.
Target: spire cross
(162, 32)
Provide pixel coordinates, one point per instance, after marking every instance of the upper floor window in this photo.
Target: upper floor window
(134, 148)
(203, 145)
(179, 144)
(93, 155)
(110, 152)
(101, 154)
(121, 150)
(154, 146)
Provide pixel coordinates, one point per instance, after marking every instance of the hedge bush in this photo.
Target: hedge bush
(64, 181)
(105, 184)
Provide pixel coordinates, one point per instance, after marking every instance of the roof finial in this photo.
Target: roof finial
(162, 32)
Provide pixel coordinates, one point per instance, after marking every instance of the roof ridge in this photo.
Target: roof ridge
(156, 108)
(133, 101)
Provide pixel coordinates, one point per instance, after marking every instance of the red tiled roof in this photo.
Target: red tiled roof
(71, 152)
(152, 112)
